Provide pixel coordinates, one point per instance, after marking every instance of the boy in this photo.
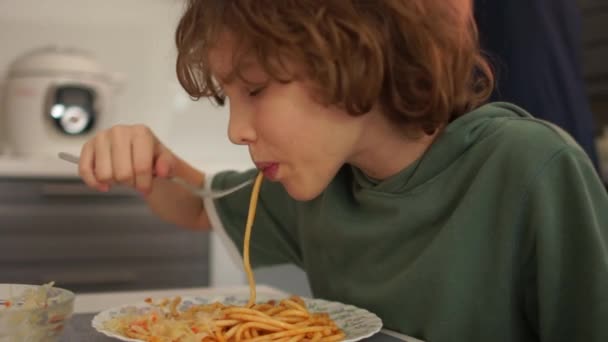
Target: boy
(388, 179)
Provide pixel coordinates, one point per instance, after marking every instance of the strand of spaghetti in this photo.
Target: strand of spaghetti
(247, 335)
(334, 338)
(228, 335)
(295, 339)
(290, 333)
(293, 313)
(294, 305)
(316, 337)
(219, 336)
(247, 311)
(225, 322)
(253, 203)
(284, 339)
(258, 325)
(294, 320)
(253, 318)
(275, 311)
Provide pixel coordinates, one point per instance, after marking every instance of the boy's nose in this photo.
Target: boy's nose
(240, 127)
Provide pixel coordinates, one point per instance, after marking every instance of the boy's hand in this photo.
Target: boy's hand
(128, 155)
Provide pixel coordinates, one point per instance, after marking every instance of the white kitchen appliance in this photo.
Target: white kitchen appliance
(54, 100)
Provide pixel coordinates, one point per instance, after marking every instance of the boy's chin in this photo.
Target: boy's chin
(302, 193)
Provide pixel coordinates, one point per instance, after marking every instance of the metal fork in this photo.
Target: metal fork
(197, 191)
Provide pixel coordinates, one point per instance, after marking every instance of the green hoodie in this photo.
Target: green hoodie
(498, 233)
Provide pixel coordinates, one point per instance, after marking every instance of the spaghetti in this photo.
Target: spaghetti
(287, 320)
(253, 204)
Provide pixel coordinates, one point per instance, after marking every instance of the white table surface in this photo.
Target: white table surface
(95, 302)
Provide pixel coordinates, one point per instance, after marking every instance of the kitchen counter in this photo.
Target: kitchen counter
(87, 305)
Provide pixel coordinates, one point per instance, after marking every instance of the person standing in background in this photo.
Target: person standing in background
(535, 46)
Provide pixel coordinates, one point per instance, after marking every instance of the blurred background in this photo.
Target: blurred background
(114, 61)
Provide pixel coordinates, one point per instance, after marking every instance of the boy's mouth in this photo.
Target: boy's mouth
(270, 169)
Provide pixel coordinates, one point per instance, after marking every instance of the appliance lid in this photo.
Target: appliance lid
(53, 60)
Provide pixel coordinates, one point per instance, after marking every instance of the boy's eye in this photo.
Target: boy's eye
(256, 91)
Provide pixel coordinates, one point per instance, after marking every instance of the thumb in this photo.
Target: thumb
(165, 164)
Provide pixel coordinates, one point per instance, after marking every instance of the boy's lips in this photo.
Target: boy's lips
(269, 169)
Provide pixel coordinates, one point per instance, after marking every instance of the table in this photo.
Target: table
(86, 306)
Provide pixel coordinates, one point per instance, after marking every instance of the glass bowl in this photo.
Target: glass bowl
(33, 313)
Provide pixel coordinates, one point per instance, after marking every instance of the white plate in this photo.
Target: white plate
(356, 323)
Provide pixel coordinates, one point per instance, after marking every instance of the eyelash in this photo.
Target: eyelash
(256, 91)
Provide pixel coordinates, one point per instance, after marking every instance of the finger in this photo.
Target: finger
(86, 164)
(165, 162)
(120, 146)
(142, 148)
(103, 161)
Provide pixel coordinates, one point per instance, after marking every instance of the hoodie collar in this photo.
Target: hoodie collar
(454, 141)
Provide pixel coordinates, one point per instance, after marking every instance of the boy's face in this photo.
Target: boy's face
(291, 137)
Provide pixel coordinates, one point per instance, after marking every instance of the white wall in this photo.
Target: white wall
(133, 37)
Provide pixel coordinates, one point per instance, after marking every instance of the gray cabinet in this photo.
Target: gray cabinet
(87, 241)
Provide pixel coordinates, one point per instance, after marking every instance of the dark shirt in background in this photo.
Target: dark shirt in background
(535, 47)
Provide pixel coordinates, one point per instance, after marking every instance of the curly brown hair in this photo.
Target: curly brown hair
(418, 59)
